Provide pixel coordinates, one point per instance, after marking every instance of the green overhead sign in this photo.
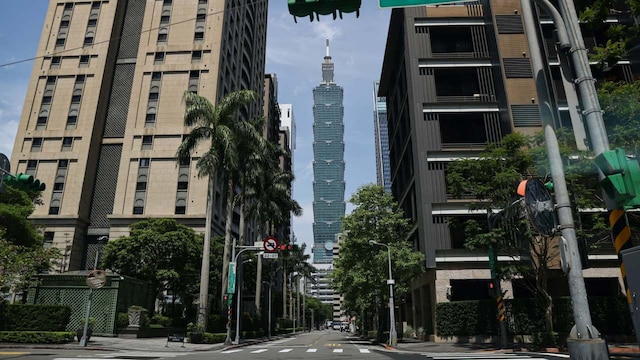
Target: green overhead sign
(405, 3)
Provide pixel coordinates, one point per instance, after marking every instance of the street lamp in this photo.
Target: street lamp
(393, 337)
(269, 332)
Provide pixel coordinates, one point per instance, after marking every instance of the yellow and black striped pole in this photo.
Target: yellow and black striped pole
(500, 301)
(621, 234)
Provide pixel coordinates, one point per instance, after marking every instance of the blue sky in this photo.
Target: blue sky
(294, 53)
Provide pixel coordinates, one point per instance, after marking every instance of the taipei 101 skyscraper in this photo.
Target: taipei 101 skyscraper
(328, 164)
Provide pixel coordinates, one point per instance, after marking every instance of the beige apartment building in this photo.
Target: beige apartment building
(103, 114)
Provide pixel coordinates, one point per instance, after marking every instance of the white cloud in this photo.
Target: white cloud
(11, 101)
(326, 30)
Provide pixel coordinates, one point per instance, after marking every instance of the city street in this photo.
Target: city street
(327, 344)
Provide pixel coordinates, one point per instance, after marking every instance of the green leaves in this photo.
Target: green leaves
(361, 270)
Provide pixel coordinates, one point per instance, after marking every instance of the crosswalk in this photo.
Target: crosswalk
(297, 350)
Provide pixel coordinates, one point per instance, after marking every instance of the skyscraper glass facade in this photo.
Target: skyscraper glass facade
(381, 133)
(328, 164)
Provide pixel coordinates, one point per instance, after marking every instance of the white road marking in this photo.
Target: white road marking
(285, 350)
(312, 350)
(558, 355)
(364, 351)
(230, 351)
(337, 350)
(259, 351)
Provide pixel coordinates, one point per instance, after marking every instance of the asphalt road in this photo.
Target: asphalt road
(328, 344)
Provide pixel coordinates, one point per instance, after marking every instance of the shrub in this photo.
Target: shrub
(214, 338)
(409, 332)
(35, 317)
(466, 318)
(36, 337)
(372, 334)
(161, 320)
(217, 323)
(122, 321)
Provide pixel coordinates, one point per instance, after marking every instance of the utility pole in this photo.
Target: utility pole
(584, 341)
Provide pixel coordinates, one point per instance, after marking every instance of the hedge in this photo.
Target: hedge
(36, 337)
(610, 315)
(34, 317)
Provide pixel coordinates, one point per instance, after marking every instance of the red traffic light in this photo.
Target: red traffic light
(491, 285)
(285, 247)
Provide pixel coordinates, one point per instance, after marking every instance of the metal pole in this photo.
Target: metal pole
(227, 341)
(304, 304)
(584, 341)
(393, 336)
(269, 311)
(238, 304)
(84, 340)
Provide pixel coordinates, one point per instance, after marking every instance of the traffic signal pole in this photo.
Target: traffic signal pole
(584, 340)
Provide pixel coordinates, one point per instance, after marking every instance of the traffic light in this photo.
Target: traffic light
(302, 8)
(285, 248)
(622, 176)
(26, 182)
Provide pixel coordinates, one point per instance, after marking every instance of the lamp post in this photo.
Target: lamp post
(84, 340)
(269, 331)
(393, 337)
(239, 303)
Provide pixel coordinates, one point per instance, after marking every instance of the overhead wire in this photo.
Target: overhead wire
(128, 35)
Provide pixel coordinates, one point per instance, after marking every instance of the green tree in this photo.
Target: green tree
(217, 127)
(360, 273)
(22, 251)
(160, 251)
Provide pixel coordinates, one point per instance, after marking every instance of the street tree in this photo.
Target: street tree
(22, 250)
(217, 127)
(360, 272)
(160, 251)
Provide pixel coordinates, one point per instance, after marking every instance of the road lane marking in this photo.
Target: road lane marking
(285, 350)
(337, 350)
(364, 351)
(558, 355)
(12, 353)
(312, 350)
(259, 351)
(230, 351)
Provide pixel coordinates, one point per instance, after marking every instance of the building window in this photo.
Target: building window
(138, 210)
(150, 119)
(63, 164)
(36, 144)
(196, 56)
(67, 143)
(48, 237)
(55, 62)
(75, 99)
(144, 162)
(199, 36)
(64, 24)
(46, 99)
(147, 142)
(153, 96)
(59, 186)
(60, 42)
(181, 210)
(54, 210)
(42, 121)
(72, 121)
(32, 164)
(92, 22)
(141, 186)
(183, 185)
(159, 58)
(156, 76)
(88, 41)
(84, 60)
(162, 38)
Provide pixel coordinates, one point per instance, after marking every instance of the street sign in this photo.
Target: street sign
(231, 283)
(407, 3)
(96, 279)
(270, 244)
(269, 255)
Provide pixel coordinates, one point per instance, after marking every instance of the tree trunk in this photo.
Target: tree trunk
(227, 241)
(203, 305)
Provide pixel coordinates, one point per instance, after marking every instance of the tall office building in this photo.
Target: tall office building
(381, 139)
(288, 136)
(328, 163)
(456, 78)
(103, 114)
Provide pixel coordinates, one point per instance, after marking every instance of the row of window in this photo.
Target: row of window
(56, 61)
(165, 22)
(141, 188)
(47, 100)
(36, 144)
(65, 22)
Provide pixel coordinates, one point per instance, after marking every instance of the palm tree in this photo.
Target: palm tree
(271, 200)
(218, 127)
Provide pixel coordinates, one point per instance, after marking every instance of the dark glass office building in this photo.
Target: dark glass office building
(381, 134)
(328, 163)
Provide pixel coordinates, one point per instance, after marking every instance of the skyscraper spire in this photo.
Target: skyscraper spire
(327, 67)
